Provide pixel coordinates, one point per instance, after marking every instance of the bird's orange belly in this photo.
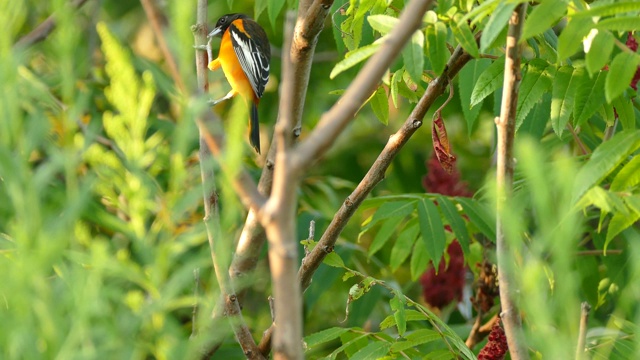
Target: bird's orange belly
(233, 70)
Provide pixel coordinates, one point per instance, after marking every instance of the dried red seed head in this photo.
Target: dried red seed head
(496, 348)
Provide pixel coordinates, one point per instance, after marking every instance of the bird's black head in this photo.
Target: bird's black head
(224, 22)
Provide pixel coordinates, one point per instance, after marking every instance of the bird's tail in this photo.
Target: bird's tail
(254, 128)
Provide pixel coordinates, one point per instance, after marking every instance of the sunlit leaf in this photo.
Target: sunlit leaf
(353, 58)
(604, 159)
(413, 56)
(464, 36)
(628, 177)
(497, 22)
(436, 46)
(542, 17)
(382, 23)
(380, 105)
(572, 35)
(599, 51)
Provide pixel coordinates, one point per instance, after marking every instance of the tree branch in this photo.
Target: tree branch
(44, 29)
(211, 219)
(504, 178)
(280, 225)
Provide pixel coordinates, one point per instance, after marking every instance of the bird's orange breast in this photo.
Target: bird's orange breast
(232, 68)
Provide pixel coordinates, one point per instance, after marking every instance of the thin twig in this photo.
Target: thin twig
(44, 29)
(504, 181)
(158, 22)
(585, 308)
(576, 138)
(196, 296)
(280, 225)
(479, 331)
(211, 218)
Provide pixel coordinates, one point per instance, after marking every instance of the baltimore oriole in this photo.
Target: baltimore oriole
(244, 57)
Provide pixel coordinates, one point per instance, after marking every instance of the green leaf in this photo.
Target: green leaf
(479, 216)
(395, 79)
(273, 10)
(346, 343)
(456, 222)
(397, 305)
(334, 260)
(606, 111)
(616, 8)
(620, 222)
(403, 245)
(353, 58)
(419, 259)
(413, 56)
(626, 114)
(440, 354)
(384, 234)
(543, 16)
(628, 177)
(324, 336)
(382, 23)
(535, 83)
(490, 80)
(464, 36)
(432, 230)
(536, 122)
(480, 12)
(374, 350)
(467, 79)
(604, 200)
(599, 51)
(436, 41)
(589, 97)
(497, 22)
(565, 84)
(608, 156)
(628, 23)
(393, 209)
(621, 71)
(259, 8)
(571, 37)
(380, 105)
(415, 338)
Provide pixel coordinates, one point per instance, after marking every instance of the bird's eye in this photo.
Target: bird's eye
(223, 20)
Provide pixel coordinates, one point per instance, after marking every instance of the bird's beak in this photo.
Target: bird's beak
(214, 32)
